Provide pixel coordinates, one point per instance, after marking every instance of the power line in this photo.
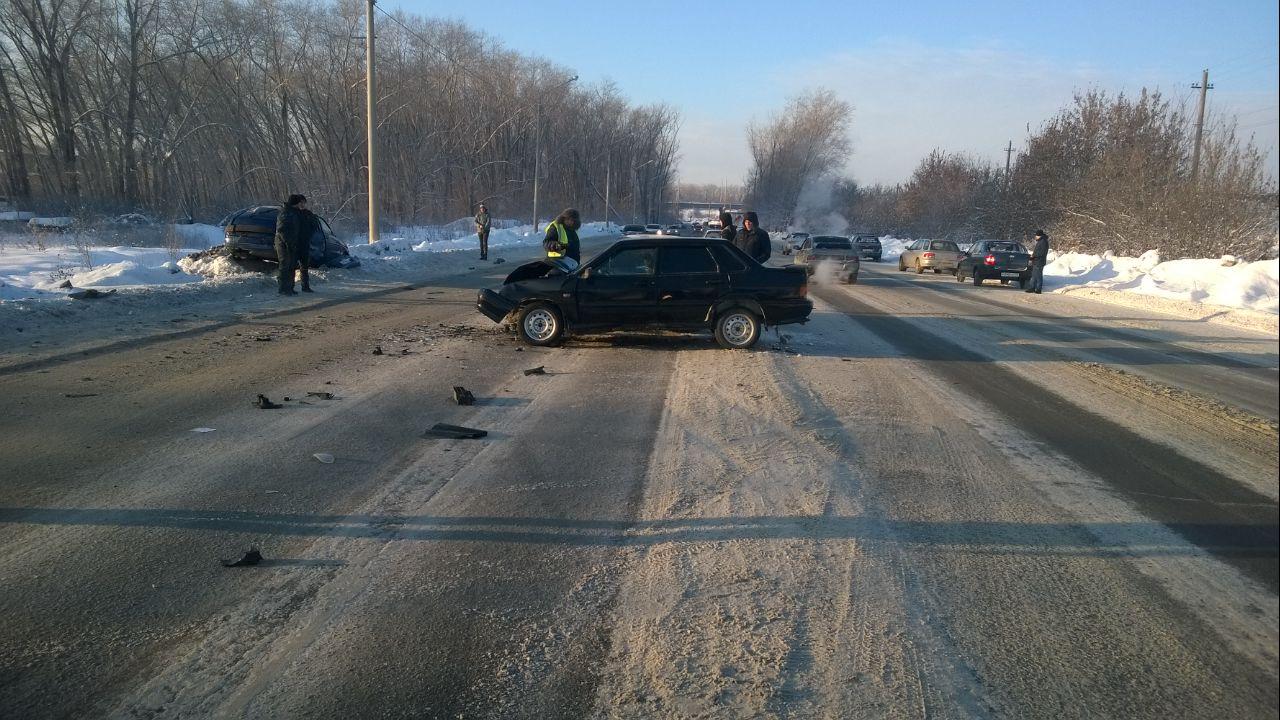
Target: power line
(457, 64)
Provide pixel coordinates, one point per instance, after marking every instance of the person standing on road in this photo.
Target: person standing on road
(727, 230)
(483, 225)
(561, 239)
(1039, 257)
(754, 240)
(291, 228)
(310, 226)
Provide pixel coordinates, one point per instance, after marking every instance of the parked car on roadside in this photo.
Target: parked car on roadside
(634, 230)
(685, 284)
(652, 228)
(835, 250)
(793, 241)
(1003, 260)
(251, 233)
(935, 255)
(868, 247)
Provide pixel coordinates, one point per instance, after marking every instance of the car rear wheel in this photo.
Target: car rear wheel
(540, 324)
(902, 267)
(737, 329)
(937, 271)
(919, 268)
(977, 279)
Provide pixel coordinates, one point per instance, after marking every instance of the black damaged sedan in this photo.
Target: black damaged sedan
(684, 284)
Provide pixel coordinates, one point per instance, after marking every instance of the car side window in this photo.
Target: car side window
(631, 262)
(730, 261)
(686, 261)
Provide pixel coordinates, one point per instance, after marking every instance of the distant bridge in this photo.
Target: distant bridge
(678, 205)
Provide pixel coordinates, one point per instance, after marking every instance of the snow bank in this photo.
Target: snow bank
(199, 235)
(892, 247)
(16, 215)
(32, 273)
(1248, 286)
(51, 223)
(428, 240)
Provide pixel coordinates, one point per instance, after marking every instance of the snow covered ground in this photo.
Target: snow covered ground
(1149, 281)
(29, 272)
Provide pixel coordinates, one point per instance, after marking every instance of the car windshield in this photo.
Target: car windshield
(832, 243)
(632, 228)
(946, 245)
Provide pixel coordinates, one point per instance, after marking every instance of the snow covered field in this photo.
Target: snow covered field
(1150, 281)
(31, 273)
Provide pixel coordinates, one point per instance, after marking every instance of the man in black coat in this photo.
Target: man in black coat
(754, 240)
(292, 233)
(1039, 257)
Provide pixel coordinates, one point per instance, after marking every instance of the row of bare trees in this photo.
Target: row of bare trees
(803, 145)
(1108, 172)
(195, 107)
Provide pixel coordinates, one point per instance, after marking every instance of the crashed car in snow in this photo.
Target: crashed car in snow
(251, 233)
(685, 284)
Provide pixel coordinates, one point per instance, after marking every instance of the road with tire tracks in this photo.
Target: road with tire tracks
(933, 500)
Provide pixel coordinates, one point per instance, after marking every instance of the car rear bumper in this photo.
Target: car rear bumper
(939, 263)
(494, 306)
(1002, 273)
(786, 312)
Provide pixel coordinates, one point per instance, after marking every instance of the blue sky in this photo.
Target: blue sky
(961, 76)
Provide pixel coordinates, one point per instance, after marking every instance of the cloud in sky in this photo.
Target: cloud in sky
(909, 98)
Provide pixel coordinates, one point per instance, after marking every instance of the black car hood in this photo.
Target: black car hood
(544, 267)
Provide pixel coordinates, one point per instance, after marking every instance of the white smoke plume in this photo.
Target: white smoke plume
(815, 212)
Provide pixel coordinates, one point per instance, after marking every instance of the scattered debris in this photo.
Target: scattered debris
(202, 429)
(404, 351)
(454, 432)
(321, 395)
(846, 360)
(89, 294)
(263, 338)
(65, 285)
(79, 395)
(463, 396)
(325, 458)
(264, 403)
(540, 370)
(499, 261)
(272, 492)
(519, 349)
(253, 557)
(377, 349)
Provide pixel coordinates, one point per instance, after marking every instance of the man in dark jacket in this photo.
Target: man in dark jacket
(754, 240)
(292, 228)
(1039, 257)
(727, 230)
(310, 226)
(561, 239)
(483, 225)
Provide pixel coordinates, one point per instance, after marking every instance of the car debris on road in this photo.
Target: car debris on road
(540, 370)
(250, 558)
(463, 396)
(264, 403)
(454, 432)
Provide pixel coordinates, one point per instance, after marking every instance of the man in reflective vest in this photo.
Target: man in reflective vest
(561, 239)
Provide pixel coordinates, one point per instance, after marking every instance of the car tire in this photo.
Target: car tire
(737, 329)
(902, 267)
(540, 324)
(937, 271)
(959, 275)
(919, 268)
(977, 279)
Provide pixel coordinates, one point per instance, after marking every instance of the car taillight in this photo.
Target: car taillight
(989, 260)
(927, 255)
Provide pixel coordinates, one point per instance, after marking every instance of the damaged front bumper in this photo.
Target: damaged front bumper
(493, 306)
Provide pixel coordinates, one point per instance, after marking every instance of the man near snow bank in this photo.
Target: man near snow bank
(753, 239)
(483, 225)
(1039, 256)
(294, 227)
(561, 239)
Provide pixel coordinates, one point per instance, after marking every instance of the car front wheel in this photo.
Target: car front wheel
(737, 329)
(540, 324)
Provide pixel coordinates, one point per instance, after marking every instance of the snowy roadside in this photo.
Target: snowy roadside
(1245, 294)
(154, 293)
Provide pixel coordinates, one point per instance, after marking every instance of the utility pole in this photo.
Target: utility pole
(608, 167)
(369, 105)
(1008, 161)
(1204, 87)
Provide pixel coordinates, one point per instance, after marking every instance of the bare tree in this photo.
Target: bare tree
(809, 139)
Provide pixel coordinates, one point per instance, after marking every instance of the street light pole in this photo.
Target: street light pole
(537, 150)
(369, 107)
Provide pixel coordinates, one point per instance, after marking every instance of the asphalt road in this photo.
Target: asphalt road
(934, 500)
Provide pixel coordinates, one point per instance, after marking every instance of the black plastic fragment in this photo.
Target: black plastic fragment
(454, 432)
(463, 396)
(377, 349)
(253, 557)
(540, 370)
(321, 395)
(264, 403)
